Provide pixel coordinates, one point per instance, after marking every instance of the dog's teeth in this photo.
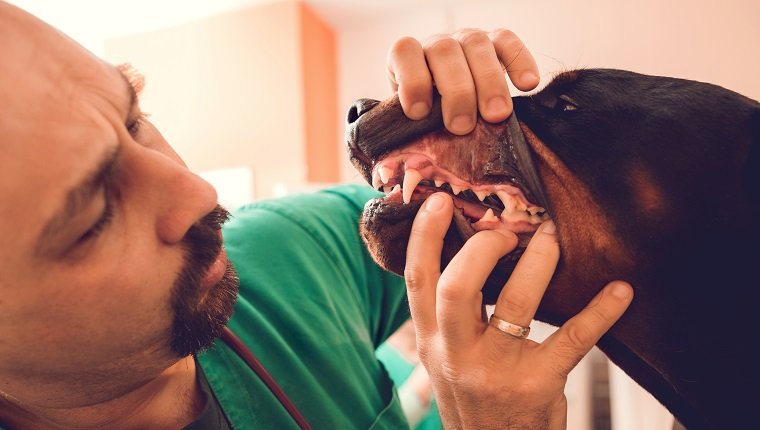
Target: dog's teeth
(385, 173)
(535, 210)
(515, 216)
(456, 190)
(507, 200)
(489, 216)
(387, 189)
(438, 183)
(411, 178)
(481, 194)
(396, 188)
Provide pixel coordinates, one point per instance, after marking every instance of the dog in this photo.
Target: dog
(653, 180)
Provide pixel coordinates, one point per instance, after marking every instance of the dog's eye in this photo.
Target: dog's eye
(565, 104)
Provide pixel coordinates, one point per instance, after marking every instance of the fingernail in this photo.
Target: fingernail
(529, 78)
(620, 290)
(419, 110)
(461, 123)
(497, 106)
(434, 203)
(548, 227)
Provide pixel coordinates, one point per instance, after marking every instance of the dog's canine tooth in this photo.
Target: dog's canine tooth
(438, 183)
(456, 190)
(481, 194)
(396, 188)
(489, 216)
(509, 202)
(412, 177)
(385, 173)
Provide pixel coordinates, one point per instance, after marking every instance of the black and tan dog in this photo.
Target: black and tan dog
(649, 179)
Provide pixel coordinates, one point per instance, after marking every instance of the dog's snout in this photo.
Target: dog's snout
(359, 108)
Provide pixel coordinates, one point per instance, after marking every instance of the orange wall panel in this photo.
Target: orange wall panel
(320, 86)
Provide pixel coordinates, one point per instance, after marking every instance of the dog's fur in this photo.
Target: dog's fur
(652, 180)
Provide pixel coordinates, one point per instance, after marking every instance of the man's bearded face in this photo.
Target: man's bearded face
(111, 267)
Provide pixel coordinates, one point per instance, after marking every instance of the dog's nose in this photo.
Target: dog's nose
(359, 108)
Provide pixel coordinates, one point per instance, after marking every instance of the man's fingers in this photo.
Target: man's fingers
(519, 62)
(521, 295)
(467, 71)
(408, 74)
(494, 102)
(423, 260)
(453, 80)
(458, 299)
(579, 334)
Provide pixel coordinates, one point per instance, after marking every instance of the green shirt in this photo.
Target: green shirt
(313, 307)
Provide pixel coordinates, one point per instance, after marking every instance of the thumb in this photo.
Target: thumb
(431, 223)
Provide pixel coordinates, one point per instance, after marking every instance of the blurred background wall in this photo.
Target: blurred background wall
(253, 92)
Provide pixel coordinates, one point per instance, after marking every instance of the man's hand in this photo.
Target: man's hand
(484, 378)
(467, 68)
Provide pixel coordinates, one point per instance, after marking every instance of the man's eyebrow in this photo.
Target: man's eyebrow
(135, 82)
(77, 199)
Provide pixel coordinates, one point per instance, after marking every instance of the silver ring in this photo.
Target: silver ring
(515, 330)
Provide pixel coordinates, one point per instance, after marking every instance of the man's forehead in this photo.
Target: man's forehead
(39, 60)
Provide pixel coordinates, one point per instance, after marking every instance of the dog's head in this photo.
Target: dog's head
(650, 179)
(624, 159)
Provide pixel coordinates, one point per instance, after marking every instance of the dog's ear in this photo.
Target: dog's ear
(752, 167)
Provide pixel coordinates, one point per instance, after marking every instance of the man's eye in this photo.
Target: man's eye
(99, 225)
(133, 126)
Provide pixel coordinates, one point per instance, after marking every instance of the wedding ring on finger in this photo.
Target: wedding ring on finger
(515, 330)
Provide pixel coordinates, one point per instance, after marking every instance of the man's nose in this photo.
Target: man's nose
(166, 190)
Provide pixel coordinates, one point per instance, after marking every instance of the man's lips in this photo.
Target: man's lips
(216, 271)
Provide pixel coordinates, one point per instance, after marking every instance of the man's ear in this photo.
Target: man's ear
(751, 172)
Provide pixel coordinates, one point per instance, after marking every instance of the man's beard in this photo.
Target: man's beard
(198, 320)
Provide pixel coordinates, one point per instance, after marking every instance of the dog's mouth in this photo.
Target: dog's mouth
(486, 173)
(409, 175)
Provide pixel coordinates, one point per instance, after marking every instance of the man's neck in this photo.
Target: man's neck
(172, 400)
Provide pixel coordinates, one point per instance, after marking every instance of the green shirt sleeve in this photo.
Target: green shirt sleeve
(313, 306)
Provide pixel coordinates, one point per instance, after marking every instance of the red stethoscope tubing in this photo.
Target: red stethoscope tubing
(250, 359)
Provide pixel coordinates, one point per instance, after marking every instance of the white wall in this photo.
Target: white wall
(712, 41)
(91, 22)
